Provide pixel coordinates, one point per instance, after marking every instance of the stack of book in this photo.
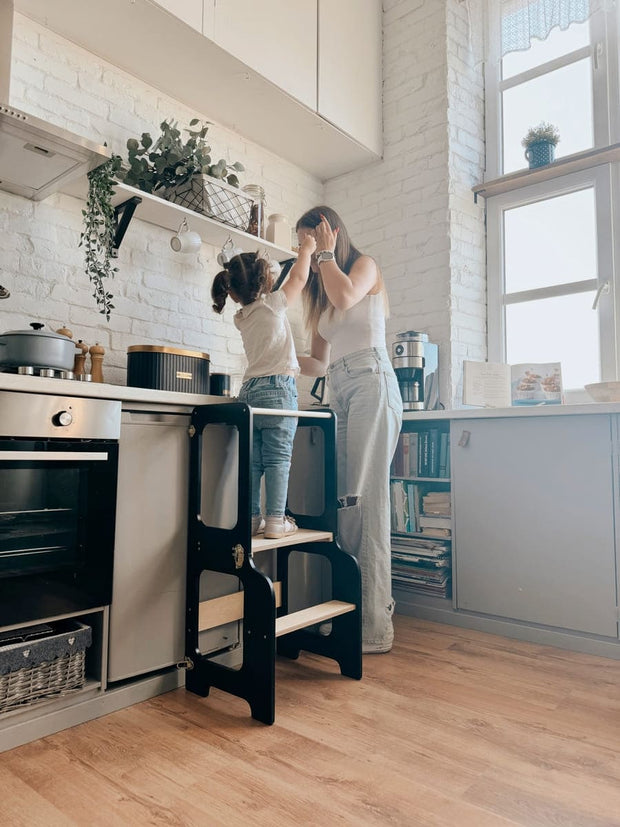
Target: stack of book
(422, 565)
(422, 454)
(414, 511)
(435, 519)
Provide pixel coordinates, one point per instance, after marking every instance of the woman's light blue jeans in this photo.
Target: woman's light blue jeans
(364, 393)
(272, 439)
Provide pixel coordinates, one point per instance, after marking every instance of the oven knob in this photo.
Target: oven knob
(62, 418)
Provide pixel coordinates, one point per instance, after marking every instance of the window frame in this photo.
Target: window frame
(605, 118)
(605, 178)
(601, 180)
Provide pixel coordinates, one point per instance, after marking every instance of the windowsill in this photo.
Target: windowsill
(563, 166)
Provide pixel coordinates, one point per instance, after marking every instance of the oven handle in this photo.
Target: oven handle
(53, 456)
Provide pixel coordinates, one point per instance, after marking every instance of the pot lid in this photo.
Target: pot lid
(36, 331)
(165, 349)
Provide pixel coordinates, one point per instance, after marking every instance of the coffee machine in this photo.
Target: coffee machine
(416, 363)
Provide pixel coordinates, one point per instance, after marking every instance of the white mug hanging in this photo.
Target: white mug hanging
(185, 240)
(227, 252)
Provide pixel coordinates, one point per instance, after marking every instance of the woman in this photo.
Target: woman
(345, 305)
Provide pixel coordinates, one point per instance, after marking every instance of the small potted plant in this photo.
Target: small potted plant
(182, 171)
(540, 142)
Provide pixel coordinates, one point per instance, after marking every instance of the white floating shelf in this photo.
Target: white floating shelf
(169, 216)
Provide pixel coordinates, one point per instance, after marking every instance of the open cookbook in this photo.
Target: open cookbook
(496, 385)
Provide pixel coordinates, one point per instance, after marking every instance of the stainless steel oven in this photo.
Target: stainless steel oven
(58, 470)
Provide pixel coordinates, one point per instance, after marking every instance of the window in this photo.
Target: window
(551, 244)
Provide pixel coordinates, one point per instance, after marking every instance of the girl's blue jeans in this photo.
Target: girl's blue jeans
(272, 439)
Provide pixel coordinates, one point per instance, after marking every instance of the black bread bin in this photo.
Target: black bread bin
(167, 369)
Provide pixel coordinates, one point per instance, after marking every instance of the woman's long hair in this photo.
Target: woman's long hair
(315, 298)
(247, 276)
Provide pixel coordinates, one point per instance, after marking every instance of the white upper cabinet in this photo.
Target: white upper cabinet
(350, 68)
(277, 38)
(189, 11)
(250, 66)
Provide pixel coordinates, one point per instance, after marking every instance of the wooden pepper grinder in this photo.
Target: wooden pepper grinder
(96, 362)
(64, 331)
(79, 363)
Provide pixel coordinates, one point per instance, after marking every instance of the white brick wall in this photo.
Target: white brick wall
(413, 210)
(160, 297)
(467, 238)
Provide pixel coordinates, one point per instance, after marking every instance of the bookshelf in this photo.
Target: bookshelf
(421, 510)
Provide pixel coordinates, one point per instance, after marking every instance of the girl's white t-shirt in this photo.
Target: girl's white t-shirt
(267, 337)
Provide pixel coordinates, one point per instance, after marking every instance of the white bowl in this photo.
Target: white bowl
(604, 391)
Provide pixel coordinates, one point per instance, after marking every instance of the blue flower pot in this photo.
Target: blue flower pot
(540, 154)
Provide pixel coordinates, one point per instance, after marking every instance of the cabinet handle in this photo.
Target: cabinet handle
(464, 440)
(54, 456)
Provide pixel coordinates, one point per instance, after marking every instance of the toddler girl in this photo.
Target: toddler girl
(269, 381)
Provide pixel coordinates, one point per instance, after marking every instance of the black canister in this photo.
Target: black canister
(168, 369)
(219, 384)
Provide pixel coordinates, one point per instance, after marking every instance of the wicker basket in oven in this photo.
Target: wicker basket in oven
(42, 662)
(216, 199)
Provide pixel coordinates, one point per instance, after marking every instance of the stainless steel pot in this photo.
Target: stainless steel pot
(36, 348)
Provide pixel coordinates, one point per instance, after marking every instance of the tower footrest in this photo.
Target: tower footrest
(313, 614)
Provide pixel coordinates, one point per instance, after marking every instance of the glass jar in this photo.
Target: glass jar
(278, 230)
(256, 225)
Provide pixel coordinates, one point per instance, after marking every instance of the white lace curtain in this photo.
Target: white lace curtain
(524, 19)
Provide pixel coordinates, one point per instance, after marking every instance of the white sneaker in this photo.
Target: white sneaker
(278, 527)
(258, 524)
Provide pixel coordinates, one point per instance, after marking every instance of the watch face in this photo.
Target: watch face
(325, 255)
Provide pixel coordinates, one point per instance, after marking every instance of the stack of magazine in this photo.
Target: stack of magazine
(422, 565)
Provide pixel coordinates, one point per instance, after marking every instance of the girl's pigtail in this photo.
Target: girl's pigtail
(219, 291)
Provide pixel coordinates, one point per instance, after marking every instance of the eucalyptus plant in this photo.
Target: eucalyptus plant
(99, 229)
(170, 160)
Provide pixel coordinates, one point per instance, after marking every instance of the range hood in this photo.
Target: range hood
(36, 158)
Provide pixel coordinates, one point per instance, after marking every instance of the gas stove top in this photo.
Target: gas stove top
(48, 373)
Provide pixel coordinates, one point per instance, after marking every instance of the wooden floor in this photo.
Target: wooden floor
(454, 727)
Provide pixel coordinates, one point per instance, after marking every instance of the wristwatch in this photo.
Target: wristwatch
(324, 255)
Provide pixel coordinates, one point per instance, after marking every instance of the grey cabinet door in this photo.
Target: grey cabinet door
(533, 502)
(147, 615)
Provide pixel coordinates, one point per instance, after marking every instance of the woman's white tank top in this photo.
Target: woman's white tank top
(360, 327)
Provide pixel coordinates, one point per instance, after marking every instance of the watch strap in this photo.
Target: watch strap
(325, 255)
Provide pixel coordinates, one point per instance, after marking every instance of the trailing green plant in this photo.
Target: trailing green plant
(171, 161)
(99, 227)
(543, 132)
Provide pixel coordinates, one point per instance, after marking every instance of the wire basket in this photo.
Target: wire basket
(41, 662)
(216, 199)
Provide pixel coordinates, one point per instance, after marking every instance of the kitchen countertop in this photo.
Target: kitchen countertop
(124, 393)
(515, 410)
(101, 390)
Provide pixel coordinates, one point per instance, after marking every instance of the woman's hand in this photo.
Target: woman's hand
(325, 236)
(316, 363)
